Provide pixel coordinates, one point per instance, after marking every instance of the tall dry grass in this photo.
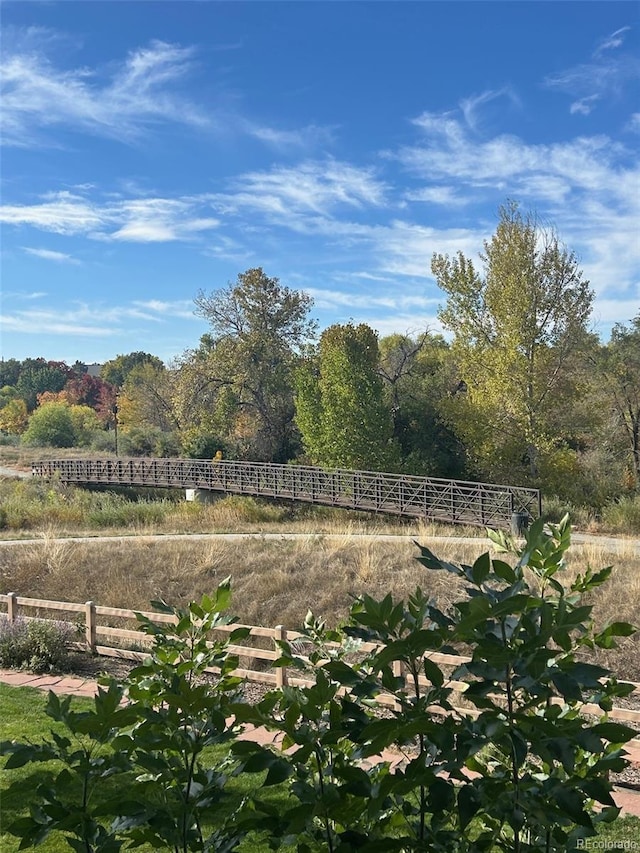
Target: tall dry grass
(275, 581)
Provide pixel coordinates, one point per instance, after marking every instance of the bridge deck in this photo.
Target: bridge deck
(450, 501)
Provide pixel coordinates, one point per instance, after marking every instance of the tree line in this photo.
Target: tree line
(522, 392)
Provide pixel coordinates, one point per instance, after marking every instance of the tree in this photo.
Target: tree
(146, 399)
(417, 374)
(342, 413)
(9, 371)
(50, 426)
(517, 327)
(619, 365)
(86, 390)
(240, 378)
(38, 375)
(116, 371)
(14, 417)
(85, 424)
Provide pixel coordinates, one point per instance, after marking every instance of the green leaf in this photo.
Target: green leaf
(279, 770)
(481, 569)
(504, 571)
(468, 805)
(433, 672)
(614, 732)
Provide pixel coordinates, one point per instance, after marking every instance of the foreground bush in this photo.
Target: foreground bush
(37, 645)
(519, 770)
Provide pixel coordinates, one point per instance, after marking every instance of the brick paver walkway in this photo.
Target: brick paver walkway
(627, 799)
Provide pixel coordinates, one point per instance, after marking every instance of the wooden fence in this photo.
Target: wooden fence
(449, 501)
(101, 637)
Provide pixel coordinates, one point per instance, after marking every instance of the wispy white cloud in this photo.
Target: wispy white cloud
(121, 101)
(444, 195)
(94, 320)
(585, 105)
(312, 187)
(634, 123)
(474, 108)
(148, 220)
(326, 298)
(406, 248)
(52, 323)
(183, 308)
(606, 76)
(50, 255)
(611, 42)
(309, 137)
(139, 93)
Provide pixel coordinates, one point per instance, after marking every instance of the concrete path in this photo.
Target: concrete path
(607, 542)
(627, 799)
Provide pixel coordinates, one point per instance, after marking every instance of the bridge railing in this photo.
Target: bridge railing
(450, 501)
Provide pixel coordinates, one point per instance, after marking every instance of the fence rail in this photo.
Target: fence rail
(449, 501)
(102, 638)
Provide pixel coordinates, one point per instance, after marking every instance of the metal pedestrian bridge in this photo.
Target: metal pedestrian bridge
(448, 501)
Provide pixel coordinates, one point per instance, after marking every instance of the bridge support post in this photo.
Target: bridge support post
(519, 524)
(203, 496)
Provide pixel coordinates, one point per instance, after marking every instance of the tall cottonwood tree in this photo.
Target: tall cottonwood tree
(417, 374)
(243, 368)
(619, 366)
(342, 412)
(517, 326)
(146, 398)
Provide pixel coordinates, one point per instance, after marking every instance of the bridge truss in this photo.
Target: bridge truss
(449, 501)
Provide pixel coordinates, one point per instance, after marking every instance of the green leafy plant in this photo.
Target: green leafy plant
(78, 803)
(513, 766)
(480, 708)
(169, 781)
(179, 717)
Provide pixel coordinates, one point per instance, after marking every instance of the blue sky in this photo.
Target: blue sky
(154, 149)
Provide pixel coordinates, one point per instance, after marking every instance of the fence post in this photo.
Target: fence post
(396, 667)
(90, 630)
(12, 606)
(280, 633)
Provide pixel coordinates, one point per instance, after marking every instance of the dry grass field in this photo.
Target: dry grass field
(275, 581)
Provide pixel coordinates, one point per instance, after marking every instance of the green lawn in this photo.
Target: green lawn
(23, 718)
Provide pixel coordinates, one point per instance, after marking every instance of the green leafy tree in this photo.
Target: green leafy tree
(238, 383)
(50, 425)
(38, 376)
(517, 327)
(418, 374)
(619, 366)
(9, 371)
(117, 369)
(138, 772)
(86, 424)
(146, 398)
(539, 777)
(342, 412)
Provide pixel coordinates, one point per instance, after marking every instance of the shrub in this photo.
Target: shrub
(140, 442)
(623, 515)
(50, 426)
(37, 645)
(103, 441)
